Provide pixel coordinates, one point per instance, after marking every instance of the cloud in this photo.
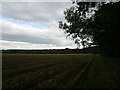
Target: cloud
(35, 0)
(24, 45)
(19, 33)
(28, 46)
(46, 13)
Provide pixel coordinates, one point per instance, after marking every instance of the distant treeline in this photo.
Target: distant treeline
(53, 51)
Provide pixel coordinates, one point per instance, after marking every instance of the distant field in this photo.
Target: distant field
(33, 71)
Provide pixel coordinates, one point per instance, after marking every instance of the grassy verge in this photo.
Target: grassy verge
(103, 73)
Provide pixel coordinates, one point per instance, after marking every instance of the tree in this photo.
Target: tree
(93, 23)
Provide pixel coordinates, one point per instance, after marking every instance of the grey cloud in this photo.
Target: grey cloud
(25, 45)
(42, 12)
(59, 41)
(35, 0)
(14, 32)
(45, 13)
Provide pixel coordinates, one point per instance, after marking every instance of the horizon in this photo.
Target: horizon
(45, 49)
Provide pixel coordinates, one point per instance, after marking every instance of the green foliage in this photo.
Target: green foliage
(78, 20)
(107, 22)
(94, 23)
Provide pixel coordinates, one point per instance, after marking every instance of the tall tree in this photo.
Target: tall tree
(93, 23)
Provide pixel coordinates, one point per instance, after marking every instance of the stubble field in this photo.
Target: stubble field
(33, 71)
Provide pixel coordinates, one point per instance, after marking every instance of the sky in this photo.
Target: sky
(33, 25)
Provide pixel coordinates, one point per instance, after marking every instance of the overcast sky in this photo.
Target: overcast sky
(33, 25)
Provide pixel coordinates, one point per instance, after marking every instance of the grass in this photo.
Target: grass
(33, 71)
(104, 72)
